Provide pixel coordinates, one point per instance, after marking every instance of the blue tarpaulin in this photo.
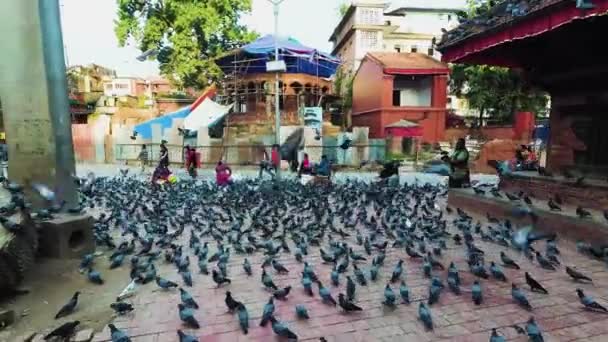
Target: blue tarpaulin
(252, 58)
(144, 130)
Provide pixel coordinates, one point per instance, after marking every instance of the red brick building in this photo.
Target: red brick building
(389, 87)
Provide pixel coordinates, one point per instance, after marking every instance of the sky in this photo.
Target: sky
(88, 30)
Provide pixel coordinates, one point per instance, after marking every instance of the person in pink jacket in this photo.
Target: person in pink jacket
(223, 174)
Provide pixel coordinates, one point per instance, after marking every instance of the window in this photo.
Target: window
(397, 48)
(369, 39)
(369, 16)
(412, 91)
(414, 49)
(431, 51)
(121, 86)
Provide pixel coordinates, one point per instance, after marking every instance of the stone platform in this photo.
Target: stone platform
(67, 236)
(565, 223)
(592, 194)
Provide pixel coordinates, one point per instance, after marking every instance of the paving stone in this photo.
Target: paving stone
(83, 336)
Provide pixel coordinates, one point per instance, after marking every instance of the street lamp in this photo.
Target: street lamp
(277, 66)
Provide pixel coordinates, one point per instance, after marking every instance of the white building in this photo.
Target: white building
(401, 26)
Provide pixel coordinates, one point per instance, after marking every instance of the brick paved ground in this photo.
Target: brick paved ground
(559, 315)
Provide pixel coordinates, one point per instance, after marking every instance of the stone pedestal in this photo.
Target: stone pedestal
(67, 237)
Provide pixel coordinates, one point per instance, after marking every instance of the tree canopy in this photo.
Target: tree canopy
(496, 91)
(187, 34)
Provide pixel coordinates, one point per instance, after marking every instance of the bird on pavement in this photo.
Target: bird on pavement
(389, 296)
(69, 307)
(476, 293)
(118, 335)
(582, 213)
(535, 286)
(494, 337)
(520, 297)
(183, 337)
(347, 305)
(282, 330)
(243, 316)
(231, 304)
(508, 262)
(589, 302)
(186, 315)
(326, 294)
(301, 311)
(64, 331)
(165, 284)
(576, 275)
(533, 331)
(267, 312)
(121, 307)
(187, 299)
(425, 316)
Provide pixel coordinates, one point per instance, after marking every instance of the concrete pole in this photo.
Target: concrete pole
(59, 107)
(277, 109)
(25, 99)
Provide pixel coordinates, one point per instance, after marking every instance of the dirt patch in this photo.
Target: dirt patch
(51, 284)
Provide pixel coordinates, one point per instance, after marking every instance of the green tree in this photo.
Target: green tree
(343, 8)
(495, 91)
(188, 34)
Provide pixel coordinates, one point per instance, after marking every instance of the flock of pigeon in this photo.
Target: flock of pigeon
(346, 229)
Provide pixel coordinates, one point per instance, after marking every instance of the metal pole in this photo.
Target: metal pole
(277, 118)
(59, 108)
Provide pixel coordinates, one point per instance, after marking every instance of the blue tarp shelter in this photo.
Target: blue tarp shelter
(144, 130)
(252, 58)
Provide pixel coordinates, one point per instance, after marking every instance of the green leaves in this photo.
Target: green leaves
(499, 91)
(188, 34)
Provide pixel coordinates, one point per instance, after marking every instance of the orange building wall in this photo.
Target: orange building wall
(373, 104)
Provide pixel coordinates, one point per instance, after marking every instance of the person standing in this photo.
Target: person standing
(266, 165)
(191, 161)
(164, 154)
(275, 156)
(143, 158)
(223, 174)
(459, 161)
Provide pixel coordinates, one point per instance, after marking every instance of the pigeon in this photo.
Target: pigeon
(219, 279)
(186, 315)
(118, 335)
(183, 337)
(575, 275)
(64, 332)
(231, 304)
(243, 315)
(307, 285)
(404, 292)
(397, 271)
(389, 296)
(533, 331)
(535, 286)
(494, 337)
(326, 295)
(454, 286)
(544, 263)
(69, 307)
(520, 298)
(425, 316)
(279, 267)
(267, 312)
(508, 262)
(589, 302)
(347, 305)
(165, 284)
(582, 213)
(94, 277)
(335, 277)
(497, 273)
(267, 281)
(121, 307)
(281, 294)
(187, 278)
(187, 299)
(247, 267)
(301, 312)
(476, 293)
(553, 206)
(282, 330)
(350, 288)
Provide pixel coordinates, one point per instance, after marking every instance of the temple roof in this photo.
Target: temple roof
(407, 63)
(509, 21)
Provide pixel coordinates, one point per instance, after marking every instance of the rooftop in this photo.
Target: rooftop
(407, 63)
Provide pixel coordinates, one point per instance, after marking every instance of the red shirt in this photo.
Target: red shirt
(275, 157)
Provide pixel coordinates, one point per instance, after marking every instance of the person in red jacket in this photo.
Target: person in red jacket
(275, 157)
(191, 160)
(223, 174)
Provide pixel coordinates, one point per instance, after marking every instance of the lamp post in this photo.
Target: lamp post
(277, 69)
